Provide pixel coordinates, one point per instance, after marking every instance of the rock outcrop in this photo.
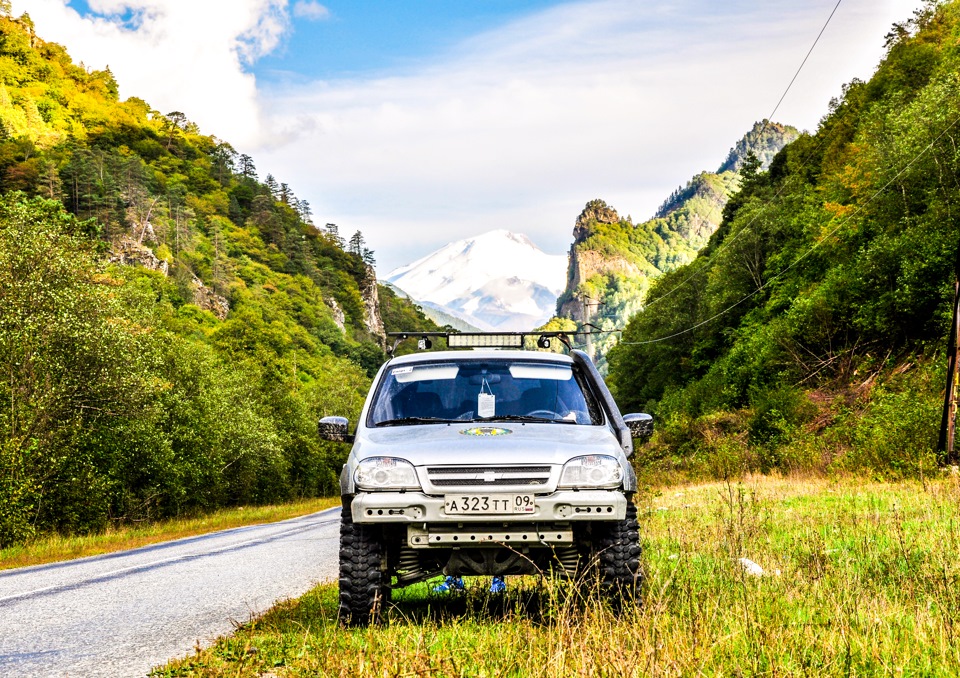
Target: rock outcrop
(338, 316)
(371, 304)
(128, 252)
(208, 300)
(596, 211)
(612, 260)
(585, 264)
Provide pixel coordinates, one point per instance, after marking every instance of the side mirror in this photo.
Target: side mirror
(640, 425)
(334, 429)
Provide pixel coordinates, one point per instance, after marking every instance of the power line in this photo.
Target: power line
(802, 64)
(730, 240)
(805, 254)
(766, 123)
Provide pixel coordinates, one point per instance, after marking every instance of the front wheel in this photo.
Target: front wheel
(363, 582)
(615, 558)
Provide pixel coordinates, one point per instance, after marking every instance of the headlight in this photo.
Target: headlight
(596, 470)
(385, 473)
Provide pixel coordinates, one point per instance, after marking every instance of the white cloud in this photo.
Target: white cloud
(309, 9)
(517, 128)
(522, 126)
(176, 54)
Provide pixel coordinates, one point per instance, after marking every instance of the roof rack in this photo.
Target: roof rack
(478, 339)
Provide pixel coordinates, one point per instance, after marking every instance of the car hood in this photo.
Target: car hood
(493, 443)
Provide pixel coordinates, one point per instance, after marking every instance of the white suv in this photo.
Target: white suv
(486, 462)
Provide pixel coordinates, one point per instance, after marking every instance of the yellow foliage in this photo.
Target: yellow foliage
(24, 119)
(163, 252)
(200, 206)
(836, 210)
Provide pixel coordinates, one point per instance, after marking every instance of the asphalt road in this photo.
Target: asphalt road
(121, 614)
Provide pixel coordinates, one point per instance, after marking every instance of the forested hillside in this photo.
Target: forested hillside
(613, 261)
(171, 324)
(810, 331)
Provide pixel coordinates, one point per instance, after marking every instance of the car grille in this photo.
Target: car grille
(488, 476)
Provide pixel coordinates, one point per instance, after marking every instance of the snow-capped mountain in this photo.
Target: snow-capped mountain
(496, 281)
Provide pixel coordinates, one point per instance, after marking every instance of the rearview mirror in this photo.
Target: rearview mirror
(334, 429)
(478, 379)
(640, 425)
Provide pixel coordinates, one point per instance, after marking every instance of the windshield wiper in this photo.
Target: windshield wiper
(403, 421)
(525, 418)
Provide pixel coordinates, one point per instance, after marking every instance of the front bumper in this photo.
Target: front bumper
(416, 507)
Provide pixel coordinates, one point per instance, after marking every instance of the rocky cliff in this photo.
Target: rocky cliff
(208, 300)
(595, 212)
(128, 252)
(371, 304)
(586, 264)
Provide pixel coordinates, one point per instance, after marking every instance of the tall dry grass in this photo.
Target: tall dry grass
(860, 579)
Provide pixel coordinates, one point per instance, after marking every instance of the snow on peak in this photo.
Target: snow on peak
(496, 280)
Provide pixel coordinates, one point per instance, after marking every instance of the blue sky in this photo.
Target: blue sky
(420, 122)
(362, 37)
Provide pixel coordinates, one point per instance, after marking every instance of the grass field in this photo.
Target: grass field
(52, 549)
(860, 579)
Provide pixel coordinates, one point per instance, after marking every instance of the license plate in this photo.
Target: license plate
(454, 504)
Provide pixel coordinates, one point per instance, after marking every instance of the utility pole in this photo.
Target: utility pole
(948, 424)
(585, 323)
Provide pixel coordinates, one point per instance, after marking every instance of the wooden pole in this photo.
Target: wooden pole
(946, 445)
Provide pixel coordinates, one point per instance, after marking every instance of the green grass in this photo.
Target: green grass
(863, 579)
(56, 548)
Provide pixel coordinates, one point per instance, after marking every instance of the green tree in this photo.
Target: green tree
(75, 356)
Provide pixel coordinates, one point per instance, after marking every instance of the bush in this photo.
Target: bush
(895, 434)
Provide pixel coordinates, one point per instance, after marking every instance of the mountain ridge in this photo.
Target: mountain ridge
(434, 312)
(811, 334)
(612, 261)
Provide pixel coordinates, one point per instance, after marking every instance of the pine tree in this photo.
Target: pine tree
(334, 231)
(303, 209)
(286, 195)
(356, 244)
(175, 122)
(272, 185)
(224, 159)
(247, 168)
(750, 168)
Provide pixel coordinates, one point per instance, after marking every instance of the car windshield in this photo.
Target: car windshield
(487, 390)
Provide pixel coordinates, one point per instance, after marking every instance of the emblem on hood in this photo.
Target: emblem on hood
(485, 431)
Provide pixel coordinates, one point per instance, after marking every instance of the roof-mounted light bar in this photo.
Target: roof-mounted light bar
(479, 339)
(484, 340)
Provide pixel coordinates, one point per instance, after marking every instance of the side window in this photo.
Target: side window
(553, 391)
(593, 411)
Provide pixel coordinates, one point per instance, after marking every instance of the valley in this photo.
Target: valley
(502, 281)
(175, 320)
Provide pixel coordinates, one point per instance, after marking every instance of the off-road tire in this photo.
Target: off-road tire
(363, 584)
(615, 558)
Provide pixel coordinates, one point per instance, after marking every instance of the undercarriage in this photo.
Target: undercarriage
(378, 558)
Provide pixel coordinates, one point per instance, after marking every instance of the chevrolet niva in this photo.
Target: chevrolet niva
(486, 462)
